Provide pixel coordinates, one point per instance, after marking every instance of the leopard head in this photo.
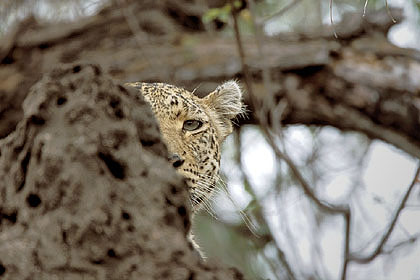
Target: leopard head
(193, 129)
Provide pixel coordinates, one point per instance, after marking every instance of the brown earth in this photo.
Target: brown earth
(86, 191)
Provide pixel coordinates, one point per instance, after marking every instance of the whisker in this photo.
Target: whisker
(202, 202)
(220, 187)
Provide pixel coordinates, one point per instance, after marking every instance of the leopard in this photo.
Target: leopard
(193, 129)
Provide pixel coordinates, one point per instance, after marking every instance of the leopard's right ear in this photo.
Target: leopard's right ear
(226, 100)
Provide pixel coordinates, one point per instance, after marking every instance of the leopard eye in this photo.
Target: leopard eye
(192, 125)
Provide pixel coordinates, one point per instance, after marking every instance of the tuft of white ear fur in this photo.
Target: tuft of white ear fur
(226, 99)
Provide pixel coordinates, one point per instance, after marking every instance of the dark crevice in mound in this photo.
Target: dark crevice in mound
(37, 120)
(115, 104)
(116, 168)
(77, 68)
(11, 217)
(61, 100)
(24, 165)
(33, 200)
(182, 211)
(125, 215)
(111, 253)
(2, 269)
(147, 143)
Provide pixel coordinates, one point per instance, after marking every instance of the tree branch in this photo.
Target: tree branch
(279, 13)
(379, 249)
(344, 210)
(310, 72)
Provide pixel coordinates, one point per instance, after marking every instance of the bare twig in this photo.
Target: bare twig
(134, 26)
(241, 52)
(248, 83)
(331, 19)
(270, 264)
(379, 249)
(238, 159)
(279, 13)
(403, 243)
(282, 258)
(364, 8)
(344, 209)
(334, 209)
(389, 12)
(132, 22)
(347, 219)
(259, 39)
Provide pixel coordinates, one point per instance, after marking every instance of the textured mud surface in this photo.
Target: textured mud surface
(86, 192)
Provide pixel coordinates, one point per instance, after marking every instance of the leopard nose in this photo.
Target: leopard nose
(176, 160)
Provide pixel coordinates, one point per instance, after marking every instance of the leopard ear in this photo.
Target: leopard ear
(226, 100)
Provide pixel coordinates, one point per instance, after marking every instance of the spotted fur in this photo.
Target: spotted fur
(197, 152)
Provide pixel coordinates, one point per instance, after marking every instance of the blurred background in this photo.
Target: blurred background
(262, 220)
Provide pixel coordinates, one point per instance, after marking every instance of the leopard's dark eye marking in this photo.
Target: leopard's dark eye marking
(191, 125)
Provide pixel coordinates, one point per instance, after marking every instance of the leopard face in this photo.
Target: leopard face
(194, 129)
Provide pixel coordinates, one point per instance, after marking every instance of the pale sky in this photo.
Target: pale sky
(386, 175)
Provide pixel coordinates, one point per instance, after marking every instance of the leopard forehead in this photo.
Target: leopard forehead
(171, 102)
(199, 150)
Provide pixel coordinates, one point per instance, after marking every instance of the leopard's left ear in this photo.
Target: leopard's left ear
(226, 100)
